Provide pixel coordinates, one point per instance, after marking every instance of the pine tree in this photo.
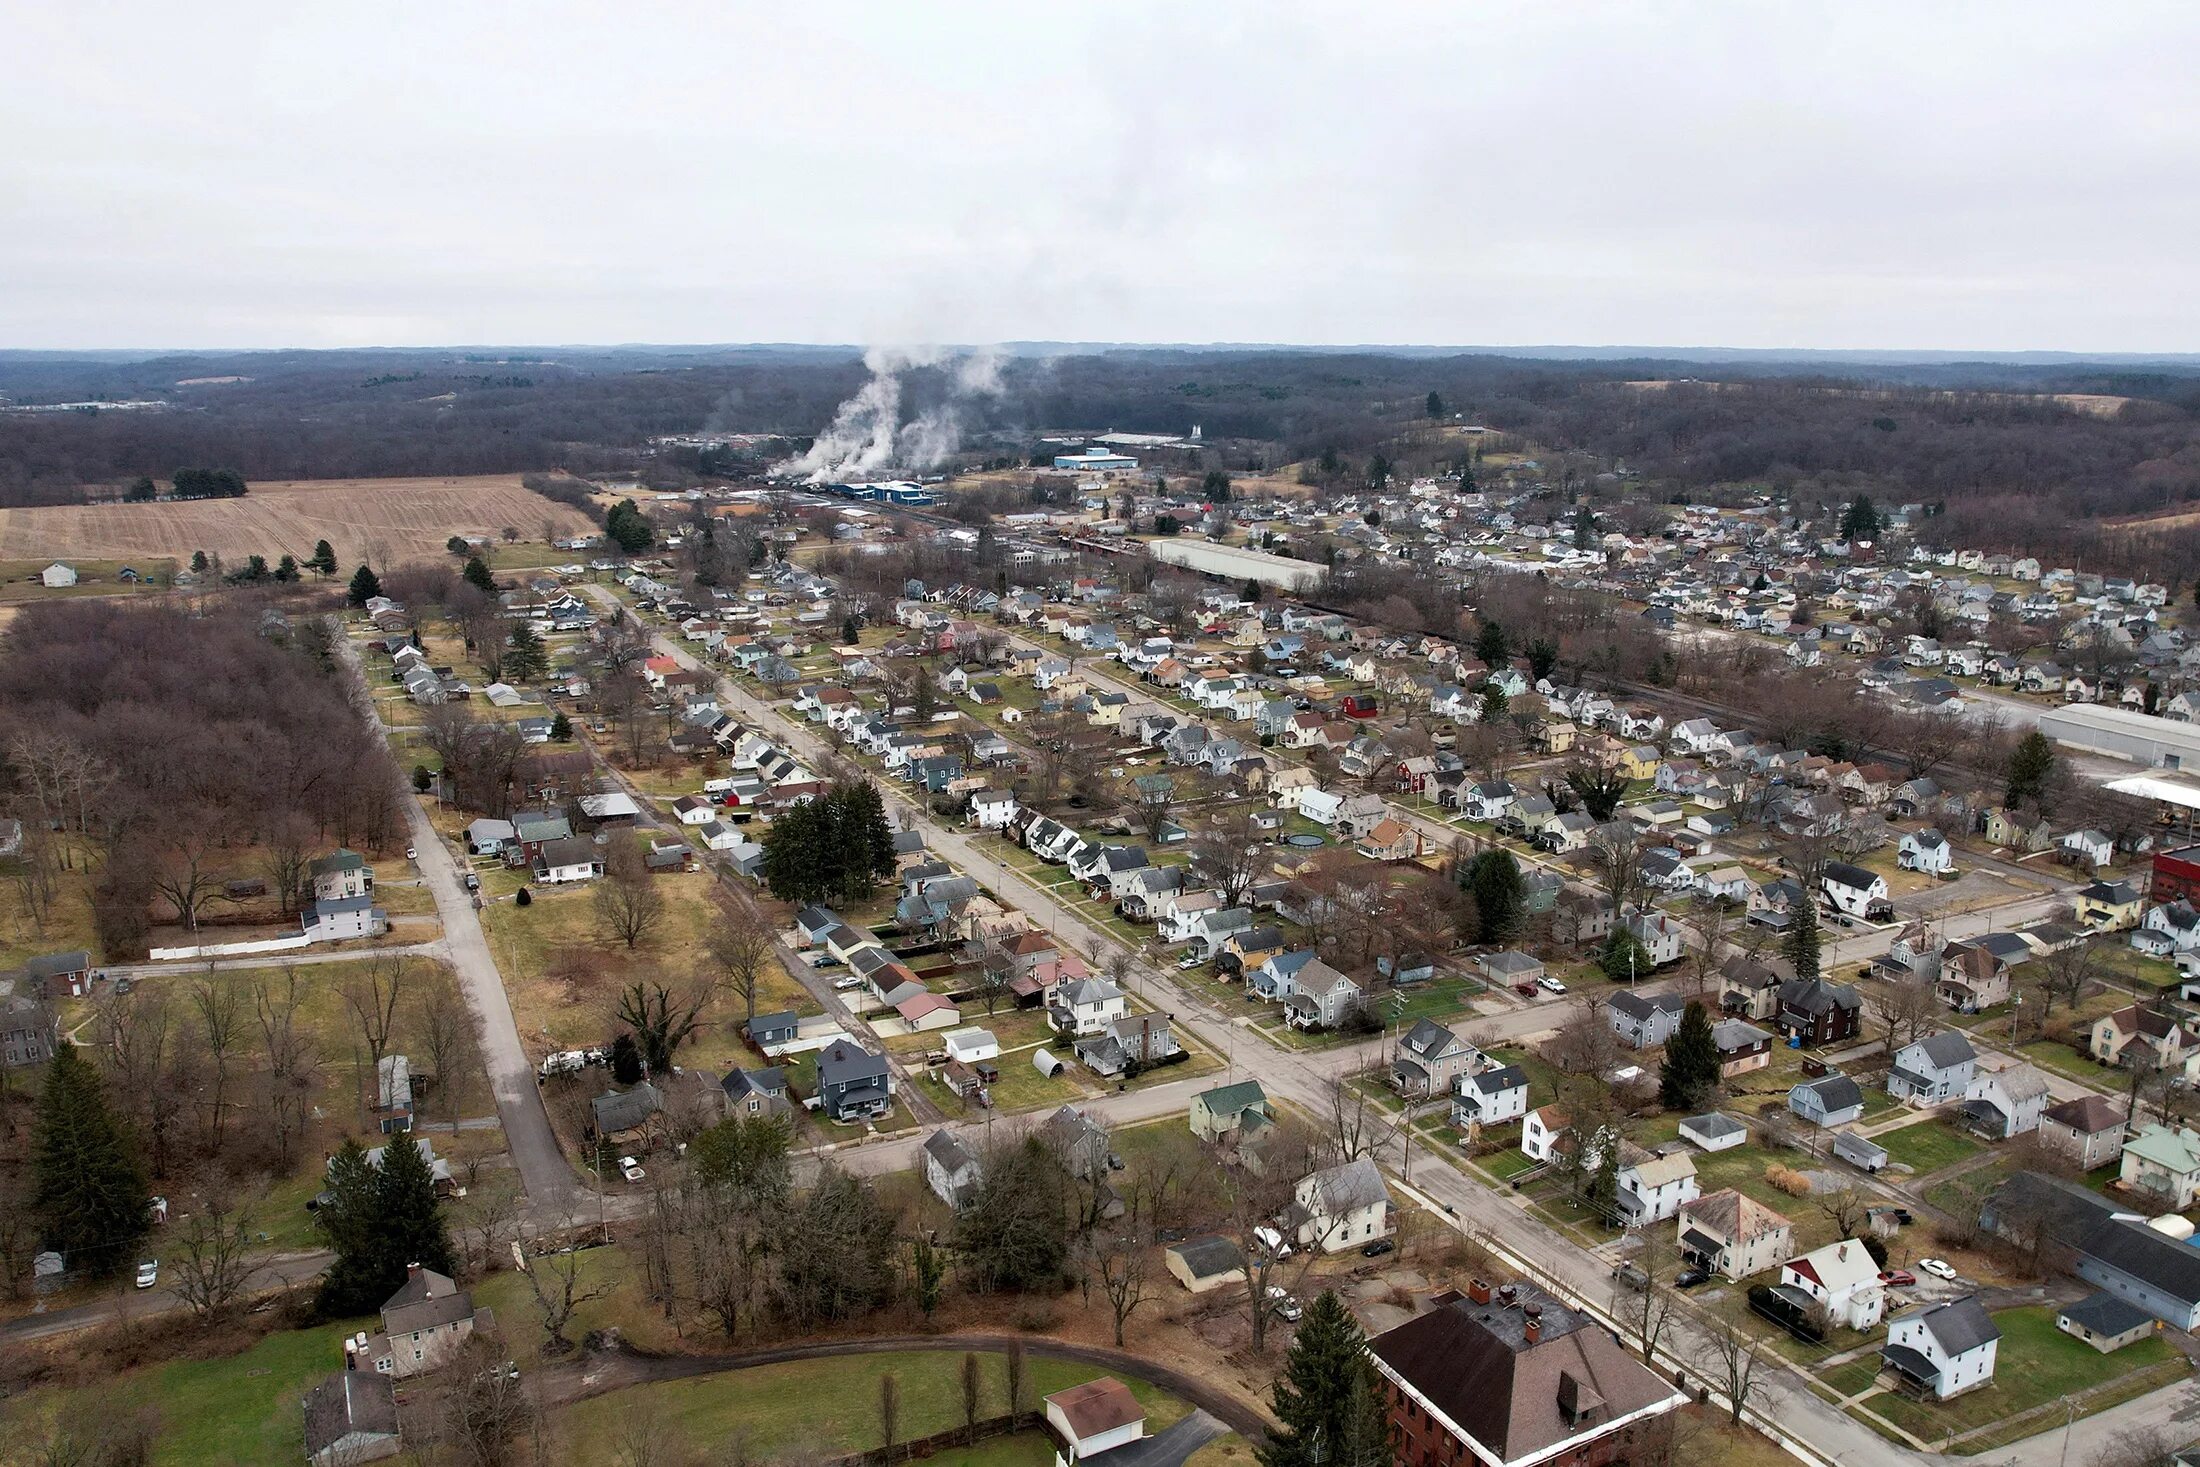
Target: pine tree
(561, 729)
(365, 585)
(286, 569)
(1492, 646)
(324, 558)
(1690, 1075)
(2031, 768)
(349, 1216)
(1435, 405)
(1860, 521)
(411, 1223)
(88, 1187)
(525, 658)
(1327, 1401)
(1500, 895)
(477, 575)
(1623, 957)
(1800, 946)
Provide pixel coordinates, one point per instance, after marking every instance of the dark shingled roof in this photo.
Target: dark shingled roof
(2105, 1314)
(349, 1401)
(1473, 1362)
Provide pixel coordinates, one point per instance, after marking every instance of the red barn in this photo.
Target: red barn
(2176, 874)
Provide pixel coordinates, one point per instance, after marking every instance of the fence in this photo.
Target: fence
(925, 1446)
(229, 949)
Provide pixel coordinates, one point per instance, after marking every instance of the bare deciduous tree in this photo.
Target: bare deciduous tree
(740, 943)
(555, 1284)
(210, 1262)
(1731, 1355)
(1124, 1268)
(627, 899)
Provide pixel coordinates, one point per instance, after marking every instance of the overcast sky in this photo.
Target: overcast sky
(1981, 177)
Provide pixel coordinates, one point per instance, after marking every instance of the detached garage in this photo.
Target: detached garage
(1096, 1417)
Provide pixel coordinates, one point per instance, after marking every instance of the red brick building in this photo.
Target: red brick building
(1511, 1375)
(2176, 874)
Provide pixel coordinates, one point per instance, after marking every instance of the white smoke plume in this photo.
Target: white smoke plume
(867, 434)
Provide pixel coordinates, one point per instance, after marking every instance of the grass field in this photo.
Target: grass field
(832, 1404)
(1927, 1146)
(400, 519)
(2036, 1363)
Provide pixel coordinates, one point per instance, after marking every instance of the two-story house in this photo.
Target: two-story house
(1654, 1188)
(1642, 1020)
(2164, 1162)
(1734, 1235)
(1944, 1349)
(1489, 1098)
(1085, 1006)
(2001, 1104)
(424, 1324)
(1428, 1059)
(1842, 1278)
(1342, 1206)
(1933, 1069)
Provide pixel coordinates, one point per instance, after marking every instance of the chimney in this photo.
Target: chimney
(1531, 1327)
(1478, 1290)
(412, 1270)
(1505, 1295)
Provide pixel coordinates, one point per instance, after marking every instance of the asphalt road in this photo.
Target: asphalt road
(552, 1191)
(274, 1271)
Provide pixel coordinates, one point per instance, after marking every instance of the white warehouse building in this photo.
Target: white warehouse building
(2157, 743)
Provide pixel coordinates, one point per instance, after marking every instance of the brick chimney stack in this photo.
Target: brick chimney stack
(1531, 1322)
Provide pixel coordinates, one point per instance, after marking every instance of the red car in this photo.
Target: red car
(1898, 1278)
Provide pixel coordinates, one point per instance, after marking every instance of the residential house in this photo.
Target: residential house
(2108, 906)
(343, 918)
(1973, 977)
(1943, 1349)
(2088, 1130)
(1320, 998)
(761, 1092)
(351, 1418)
(853, 1084)
(1820, 1013)
(28, 1030)
(1540, 1131)
(2006, 1103)
(1842, 1278)
(951, 1169)
(2120, 1036)
(1928, 851)
(1743, 1047)
(1933, 1069)
(344, 873)
(1733, 1235)
(1489, 1098)
(2163, 1162)
(2107, 1323)
(1511, 1377)
(1855, 892)
(1429, 1057)
(1644, 1020)
(1133, 1040)
(424, 1324)
(1340, 1207)
(560, 861)
(1225, 1110)
(1654, 1188)
(1085, 1007)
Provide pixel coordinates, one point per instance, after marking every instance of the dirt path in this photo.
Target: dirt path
(612, 1371)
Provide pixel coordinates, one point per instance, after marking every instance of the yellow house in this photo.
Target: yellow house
(1107, 709)
(2109, 906)
(1638, 761)
(1555, 737)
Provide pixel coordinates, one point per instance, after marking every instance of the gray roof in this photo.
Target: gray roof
(1641, 1007)
(1355, 1184)
(1731, 1034)
(945, 1148)
(2153, 1258)
(1947, 1049)
(2105, 1314)
(1714, 1125)
(1958, 1325)
(1209, 1257)
(1834, 1092)
(53, 965)
(349, 1401)
(623, 1110)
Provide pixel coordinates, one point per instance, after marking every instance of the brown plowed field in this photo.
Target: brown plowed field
(402, 519)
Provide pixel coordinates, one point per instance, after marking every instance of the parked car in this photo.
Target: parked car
(412, 853)
(1688, 1278)
(1898, 1278)
(1631, 1276)
(473, 881)
(1378, 1248)
(1188, 962)
(1272, 1240)
(148, 1273)
(848, 981)
(631, 1169)
(1550, 985)
(1938, 1268)
(1282, 1305)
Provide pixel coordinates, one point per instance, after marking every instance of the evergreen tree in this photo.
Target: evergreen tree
(1250, 591)
(324, 559)
(2031, 769)
(1800, 945)
(365, 585)
(628, 528)
(409, 1219)
(1689, 1076)
(1860, 521)
(850, 631)
(525, 657)
(88, 1187)
(1542, 655)
(348, 1217)
(561, 729)
(1328, 1401)
(1623, 957)
(1492, 645)
(198, 562)
(1600, 1186)
(142, 488)
(1494, 703)
(286, 569)
(626, 1060)
(1500, 895)
(477, 575)
(1435, 405)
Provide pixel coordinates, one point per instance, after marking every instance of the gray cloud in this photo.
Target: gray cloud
(1986, 176)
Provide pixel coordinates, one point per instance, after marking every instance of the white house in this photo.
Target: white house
(1855, 892)
(57, 575)
(1926, 850)
(1943, 1349)
(992, 809)
(1342, 1207)
(951, 1169)
(971, 1045)
(1086, 1006)
(1540, 1130)
(2005, 1103)
(1842, 1277)
(1656, 1187)
(1489, 1098)
(1733, 1235)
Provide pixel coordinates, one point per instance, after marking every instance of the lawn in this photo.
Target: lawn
(2036, 1363)
(832, 1405)
(240, 1409)
(1927, 1146)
